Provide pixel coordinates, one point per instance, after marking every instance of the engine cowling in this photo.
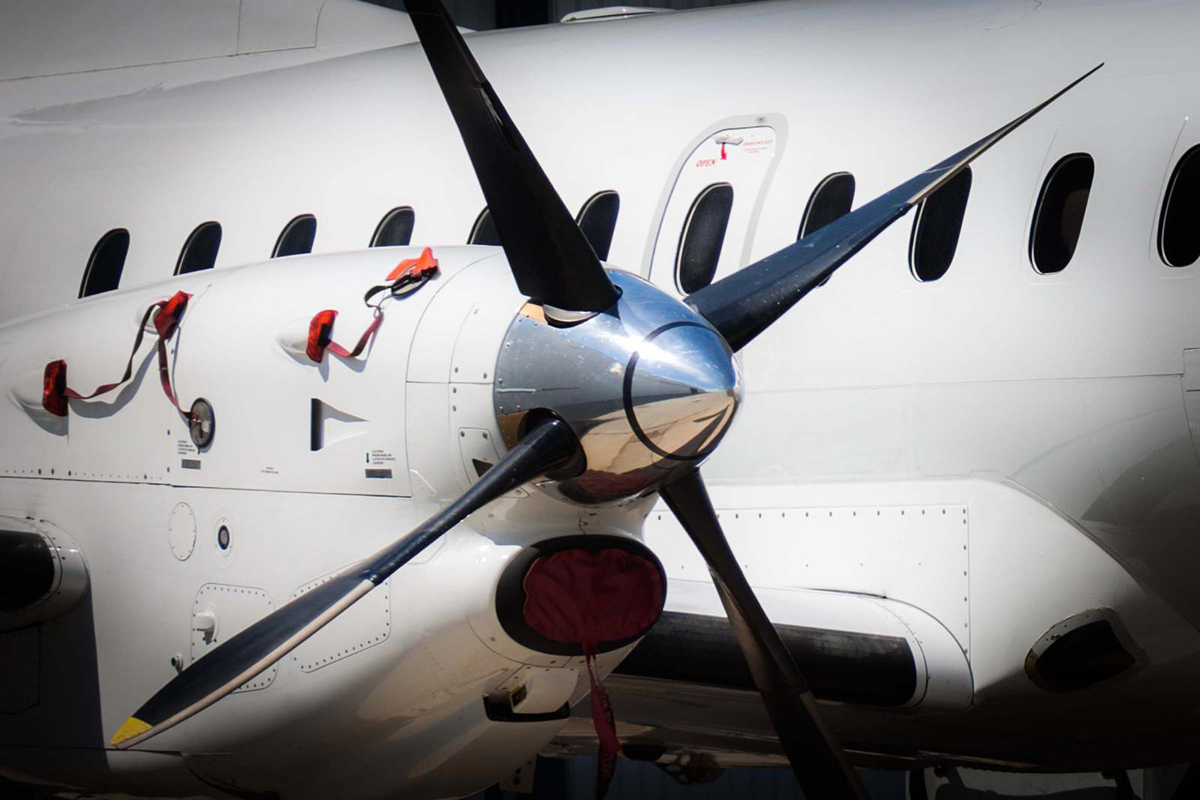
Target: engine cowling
(42, 572)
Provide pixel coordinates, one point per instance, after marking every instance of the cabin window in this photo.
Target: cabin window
(598, 219)
(702, 237)
(103, 273)
(1058, 218)
(831, 200)
(200, 250)
(937, 226)
(484, 229)
(395, 228)
(297, 237)
(1179, 223)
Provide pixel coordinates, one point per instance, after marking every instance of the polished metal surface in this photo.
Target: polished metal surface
(648, 387)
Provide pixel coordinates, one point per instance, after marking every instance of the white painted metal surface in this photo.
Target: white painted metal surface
(1051, 417)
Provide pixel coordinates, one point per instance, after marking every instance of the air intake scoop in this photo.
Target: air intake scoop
(42, 573)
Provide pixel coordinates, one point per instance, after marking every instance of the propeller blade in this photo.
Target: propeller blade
(816, 756)
(256, 648)
(548, 254)
(746, 303)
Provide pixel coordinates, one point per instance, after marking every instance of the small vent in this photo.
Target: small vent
(1081, 651)
(26, 570)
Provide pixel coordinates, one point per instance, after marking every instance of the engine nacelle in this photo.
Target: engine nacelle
(42, 572)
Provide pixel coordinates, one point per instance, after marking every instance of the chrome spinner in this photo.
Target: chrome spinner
(648, 387)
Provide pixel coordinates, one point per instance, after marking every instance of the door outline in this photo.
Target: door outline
(773, 120)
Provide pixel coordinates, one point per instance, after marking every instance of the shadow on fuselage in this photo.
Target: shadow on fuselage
(62, 706)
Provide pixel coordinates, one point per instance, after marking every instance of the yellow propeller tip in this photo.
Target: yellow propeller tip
(132, 727)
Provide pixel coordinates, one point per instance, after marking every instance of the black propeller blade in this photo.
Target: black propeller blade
(549, 445)
(549, 256)
(746, 303)
(816, 756)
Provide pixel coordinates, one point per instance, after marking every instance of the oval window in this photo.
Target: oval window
(1179, 223)
(598, 220)
(1058, 219)
(297, 237)
(937, 226)
(395, 228)
(702, 237)
(484, 229)
(107, 261)
(831, 200)
(200, 250)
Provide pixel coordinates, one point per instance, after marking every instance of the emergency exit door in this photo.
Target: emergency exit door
(707, 225)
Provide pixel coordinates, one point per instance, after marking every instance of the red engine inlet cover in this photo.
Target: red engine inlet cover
(592, 596)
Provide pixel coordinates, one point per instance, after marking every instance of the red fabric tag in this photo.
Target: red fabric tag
(320, 334)
(415, 268)
(54, 388)
(167, 319)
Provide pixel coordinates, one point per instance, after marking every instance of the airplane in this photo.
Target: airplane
(948, 492)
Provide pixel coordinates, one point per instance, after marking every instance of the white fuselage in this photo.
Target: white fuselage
(970, 460)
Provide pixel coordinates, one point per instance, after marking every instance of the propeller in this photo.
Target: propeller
(547, 446)
(739, 307)
(554, 265)
(548, 255)
(743, 305)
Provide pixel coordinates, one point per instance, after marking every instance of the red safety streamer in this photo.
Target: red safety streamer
(338, 350)
(589, 597)
(166, 316)
(605, 725)
(409, 272)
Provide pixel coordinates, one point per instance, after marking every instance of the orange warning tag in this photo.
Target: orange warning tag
(415, 267)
